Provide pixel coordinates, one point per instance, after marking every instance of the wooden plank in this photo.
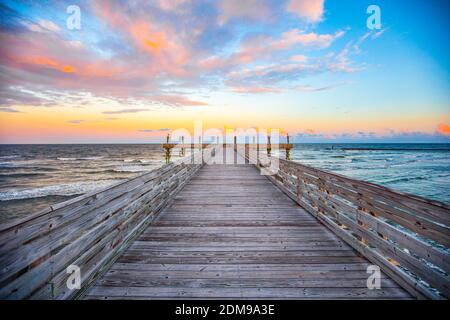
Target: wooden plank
(261, 293)
(231, 233)
(340, 201)
(88, 231)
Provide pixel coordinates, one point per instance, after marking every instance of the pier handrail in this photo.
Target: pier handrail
(407, 236)
(89, 231)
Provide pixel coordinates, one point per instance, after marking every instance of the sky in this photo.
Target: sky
(136, 70)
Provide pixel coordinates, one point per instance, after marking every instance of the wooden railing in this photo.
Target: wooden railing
(89, 232)
(406, 236)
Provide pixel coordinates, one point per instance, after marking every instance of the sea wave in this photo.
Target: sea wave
(20, 174)
(79, 159)
(358, 160)
(68, 189)
(398, 149)
(131, 160)
(146, 161)
(404, 179)
(132, 169)
(91, 158)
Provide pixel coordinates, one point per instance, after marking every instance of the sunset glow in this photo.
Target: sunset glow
(311, 68)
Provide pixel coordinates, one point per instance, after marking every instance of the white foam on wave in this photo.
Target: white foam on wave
(92, 158)
(130, 160)
(136, 168)
(145, 161)
(68, 189)
(75, 159)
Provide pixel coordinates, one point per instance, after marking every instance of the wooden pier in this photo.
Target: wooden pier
(196, 230)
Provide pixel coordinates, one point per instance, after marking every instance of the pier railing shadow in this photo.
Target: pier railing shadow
(88, 232)
(407, 236)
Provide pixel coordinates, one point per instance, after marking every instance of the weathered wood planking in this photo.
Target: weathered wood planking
(230, 233)
(89, 231)
(408, 236)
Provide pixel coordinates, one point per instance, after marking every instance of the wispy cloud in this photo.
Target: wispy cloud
(309, 88)
(310, 10)
(154, 130)
(177, 101)
(255, 90)
(75, 121)
(9, 110)
(122, 111)
(43, 26)
(252, 10)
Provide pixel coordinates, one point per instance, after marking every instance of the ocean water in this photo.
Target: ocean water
(420, 169)
(35, 176)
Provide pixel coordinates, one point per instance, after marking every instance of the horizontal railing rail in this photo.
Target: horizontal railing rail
(405, 235)
(89, 232)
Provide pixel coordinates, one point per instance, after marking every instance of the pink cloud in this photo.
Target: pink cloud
(170, 5)
(144, 52)
(443, 129)
(263, 47)
(169, 52)
(249, 9)
(177, 101)
(311, 39)
(310, 10)
(255, 90)
(298, 58)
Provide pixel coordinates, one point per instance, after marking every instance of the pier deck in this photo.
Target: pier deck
(191, 229)
(231, 233)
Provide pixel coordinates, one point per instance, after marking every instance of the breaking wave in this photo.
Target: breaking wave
(68, 189)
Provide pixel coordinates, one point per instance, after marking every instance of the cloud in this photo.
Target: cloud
(15, 96)
(298, 58)
(310, 39)
(44, 26)
(255, 90)
(308, 88)
(270, 75)
(177, 101)
(248, 9)
(378, 34)
(154, 130)
(342, 61)
(122, 111)
(9, 110)
(138, 51)
(171, 5)
(261, 46)
(310, 10)
(443, 129)
(75, 121)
